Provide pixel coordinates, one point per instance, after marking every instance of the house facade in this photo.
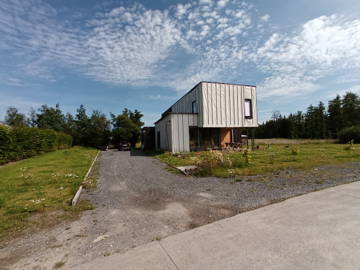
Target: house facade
(206, 117)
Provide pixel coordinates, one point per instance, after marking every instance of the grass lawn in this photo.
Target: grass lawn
(268, 158)
(36, 191)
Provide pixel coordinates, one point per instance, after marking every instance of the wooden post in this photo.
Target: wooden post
(198, 139)
(252, 139)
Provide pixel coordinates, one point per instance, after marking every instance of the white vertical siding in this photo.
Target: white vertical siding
(218, 105)
(184, 104)
(181, 135)
(165, 128)
(174, 132)
(223, 105)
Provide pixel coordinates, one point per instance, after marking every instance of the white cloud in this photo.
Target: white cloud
(130, 53)
(285, 86)
(265, 18)
(297, 61)
(161, 97)
(222, 3)
(354, 89)
(342, 91)
(175, 47)
(125, 45)
(14, 82)
(182, 9)
(205, 2)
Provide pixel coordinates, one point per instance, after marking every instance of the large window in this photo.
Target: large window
(194, 107)
(248, 109)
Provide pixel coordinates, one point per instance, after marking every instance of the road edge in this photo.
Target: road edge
(76, 197)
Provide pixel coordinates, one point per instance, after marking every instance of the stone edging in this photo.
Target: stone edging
(77, 194)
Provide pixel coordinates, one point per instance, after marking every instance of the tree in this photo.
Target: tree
(334, 117)
(275, 115)
(50, 118)
(70, 125)
(320, 121)
(317, 122)
(309, 122)
(297, 125)
(127, 126)
(93, 131)
(81, 126)
(99, 130)
(14, 118)
(350, 109)
(31, 121)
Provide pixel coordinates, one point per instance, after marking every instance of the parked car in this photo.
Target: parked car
(124, 146)
(103, 147)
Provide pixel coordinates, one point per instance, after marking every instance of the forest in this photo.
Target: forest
(339, 120)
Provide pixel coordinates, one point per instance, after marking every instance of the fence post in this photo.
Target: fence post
(252, 139)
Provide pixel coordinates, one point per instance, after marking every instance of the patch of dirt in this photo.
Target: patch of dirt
(199, 211)
(152, 199)
(38, 222)
(205, 214)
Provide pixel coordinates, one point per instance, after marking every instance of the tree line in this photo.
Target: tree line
(93, 130)
(318, 122)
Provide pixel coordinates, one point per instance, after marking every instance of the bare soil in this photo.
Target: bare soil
(137, 201)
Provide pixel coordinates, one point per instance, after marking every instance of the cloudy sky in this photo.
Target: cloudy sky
(144, 55)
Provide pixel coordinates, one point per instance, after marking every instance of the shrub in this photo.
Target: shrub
(349, 134)
(218, 160)
(5, 144)
(23, 142)
(246, 156)
(295, 151)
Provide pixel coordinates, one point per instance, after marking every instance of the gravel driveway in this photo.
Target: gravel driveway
(137, 201)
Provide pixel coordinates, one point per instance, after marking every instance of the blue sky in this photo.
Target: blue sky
(144, 55)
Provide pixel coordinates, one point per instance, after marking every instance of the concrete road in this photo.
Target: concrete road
(320, 230)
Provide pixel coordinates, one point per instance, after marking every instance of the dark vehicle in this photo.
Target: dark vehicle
(124, 146)
(103, 147)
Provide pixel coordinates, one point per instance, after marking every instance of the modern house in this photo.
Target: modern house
(206, 117)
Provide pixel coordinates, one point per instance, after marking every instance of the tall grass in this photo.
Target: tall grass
(267, 158)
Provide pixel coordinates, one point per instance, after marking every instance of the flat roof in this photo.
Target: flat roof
(172, 113)
(241, 84)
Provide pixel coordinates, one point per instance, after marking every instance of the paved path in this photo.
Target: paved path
(320, 230)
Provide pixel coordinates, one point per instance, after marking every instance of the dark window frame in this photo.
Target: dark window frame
(250, 107)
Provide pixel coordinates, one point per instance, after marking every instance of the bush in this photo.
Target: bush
(22, 142)
(295, 151)
(348, 134)
(212, 161)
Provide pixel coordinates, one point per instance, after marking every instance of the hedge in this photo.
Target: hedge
(20, 143)
(349, 134)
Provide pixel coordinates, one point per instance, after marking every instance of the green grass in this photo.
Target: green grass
(36, 191)
(267, 159)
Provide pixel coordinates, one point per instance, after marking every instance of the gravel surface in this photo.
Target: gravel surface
(137, 201)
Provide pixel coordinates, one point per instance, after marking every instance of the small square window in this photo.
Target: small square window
(248, 109)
